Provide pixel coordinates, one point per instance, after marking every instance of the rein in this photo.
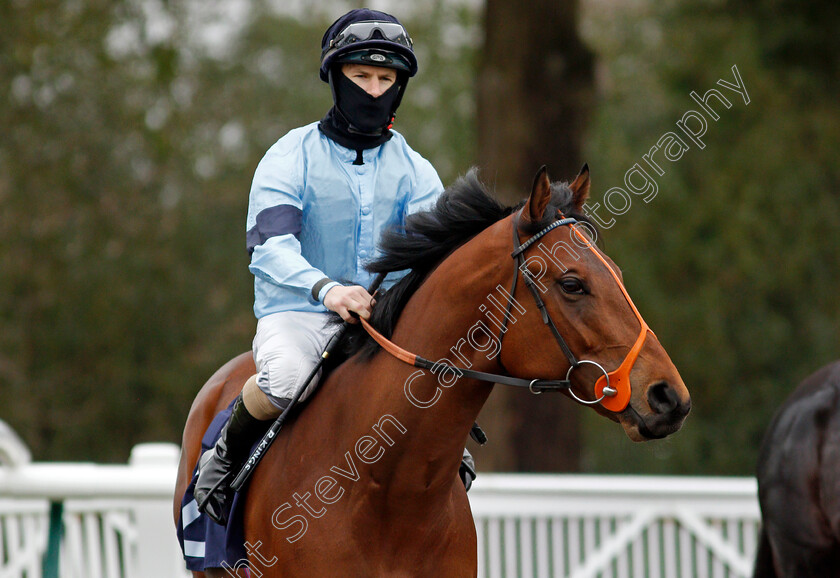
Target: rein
(613, 388)
(535, 385)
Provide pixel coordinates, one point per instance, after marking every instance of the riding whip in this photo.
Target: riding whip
(270, 435)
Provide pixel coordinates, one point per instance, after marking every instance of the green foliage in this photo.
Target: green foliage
(734, 263)
(116, 296)
(129, 140)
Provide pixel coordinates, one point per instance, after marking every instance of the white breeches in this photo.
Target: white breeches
(287, 347)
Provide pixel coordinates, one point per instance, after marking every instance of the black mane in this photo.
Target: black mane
(462, 211)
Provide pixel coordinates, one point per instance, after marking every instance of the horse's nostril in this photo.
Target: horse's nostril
(662, 398)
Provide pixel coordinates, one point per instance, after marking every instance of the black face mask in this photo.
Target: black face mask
(366, 115)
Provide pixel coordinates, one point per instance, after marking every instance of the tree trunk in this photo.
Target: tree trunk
(535, 93)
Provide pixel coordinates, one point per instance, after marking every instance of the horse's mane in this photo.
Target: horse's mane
(462, 211)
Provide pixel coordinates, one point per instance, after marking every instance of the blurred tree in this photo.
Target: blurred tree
(130, 133)
(535, 93)
(734, 263)
(112, 274)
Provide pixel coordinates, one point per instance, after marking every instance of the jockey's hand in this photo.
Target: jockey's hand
(345, 300)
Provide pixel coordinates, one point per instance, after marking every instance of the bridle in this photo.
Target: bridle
(518, 255)
(612, 388)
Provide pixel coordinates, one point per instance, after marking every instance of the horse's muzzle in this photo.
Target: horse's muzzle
(668, 411)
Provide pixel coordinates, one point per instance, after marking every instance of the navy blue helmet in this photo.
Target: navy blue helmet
(369, 37)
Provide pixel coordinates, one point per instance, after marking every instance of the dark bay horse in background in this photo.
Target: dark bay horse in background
(799, 483)
(365, 482)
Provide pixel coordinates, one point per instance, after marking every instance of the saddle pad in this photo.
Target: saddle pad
(205, 543)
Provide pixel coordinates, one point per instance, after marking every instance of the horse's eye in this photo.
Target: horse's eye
(572, 285)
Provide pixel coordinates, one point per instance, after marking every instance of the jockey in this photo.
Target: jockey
(320, 198)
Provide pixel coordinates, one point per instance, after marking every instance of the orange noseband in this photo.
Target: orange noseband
(619, 379)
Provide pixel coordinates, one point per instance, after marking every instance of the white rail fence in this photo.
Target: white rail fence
(615, 526)
(117, 522)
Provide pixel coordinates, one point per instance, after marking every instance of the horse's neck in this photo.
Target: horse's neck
(443, 321)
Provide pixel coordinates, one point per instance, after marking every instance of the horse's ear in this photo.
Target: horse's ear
(580, 188)
(540, 195)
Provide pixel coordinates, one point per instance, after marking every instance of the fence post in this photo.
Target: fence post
(158, 553)
(50, 562)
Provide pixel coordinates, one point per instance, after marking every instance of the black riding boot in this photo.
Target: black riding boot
(219, 465)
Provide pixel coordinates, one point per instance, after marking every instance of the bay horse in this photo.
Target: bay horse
(365, 481)
(798, 473)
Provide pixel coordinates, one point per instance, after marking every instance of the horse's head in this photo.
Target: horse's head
(590, 331)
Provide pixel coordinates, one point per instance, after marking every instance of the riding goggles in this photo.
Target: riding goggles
(361, 31)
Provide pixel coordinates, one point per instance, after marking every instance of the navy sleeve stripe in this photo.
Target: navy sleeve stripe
(274, 221)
